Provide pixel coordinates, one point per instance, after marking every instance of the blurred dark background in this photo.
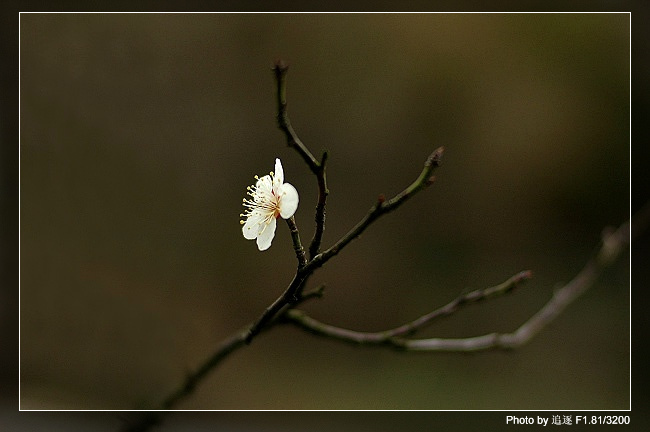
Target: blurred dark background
(140, 133)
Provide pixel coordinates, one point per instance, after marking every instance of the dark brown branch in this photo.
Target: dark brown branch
(301, 319)
(229, 345)
(317, 292)
(382, 206)
(314, 247)
(147, 420)
(280, 70)
(463, 300)
(613, 243)
(290, 296)
(297, 245)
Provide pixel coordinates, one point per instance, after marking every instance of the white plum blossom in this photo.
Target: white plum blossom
(270, 198)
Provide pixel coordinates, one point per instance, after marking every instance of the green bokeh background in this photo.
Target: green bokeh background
(140, 133)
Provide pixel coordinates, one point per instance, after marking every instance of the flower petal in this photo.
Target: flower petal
(265, 238)
(252, 227)
(264, 187)
(288, 200)
(279, 172)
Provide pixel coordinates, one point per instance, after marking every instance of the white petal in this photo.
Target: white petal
(288, 200)
(266, 236)
(279, 172)
(252, 226)
(264, 186)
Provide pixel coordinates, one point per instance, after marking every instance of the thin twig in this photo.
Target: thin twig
(382, 206)
(297, 245)
(228, 346)
(612, 244)
(301, 319)
(317, 168)
(314, 293)
(280, 69)
(314, 247)
(146, 420)
(289, 296)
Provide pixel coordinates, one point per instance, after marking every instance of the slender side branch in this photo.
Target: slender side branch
(297, 245)
(613, 243)
(280, 69)
(302, 320)
(229, 345)
(383, 206)
(317, 292)
(290, 296)
(314, 247)
(146, 420)
(317, 168)
(463, 300)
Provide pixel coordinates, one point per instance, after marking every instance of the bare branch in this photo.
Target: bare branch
(317, 292)
(301, 319)
(297, 245)
(318, 168)
(280, 69)
(146, 420)
(289, 296)
(613, 243)
(229, 345)
(383, 206)
(314, 247)
(463, 300)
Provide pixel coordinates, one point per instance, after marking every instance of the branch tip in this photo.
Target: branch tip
(323, 159)
(435, 158)
(280, 66)
(297, 245)
(524, 275)
(317, 292)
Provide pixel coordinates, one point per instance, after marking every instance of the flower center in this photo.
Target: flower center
(264, 201)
